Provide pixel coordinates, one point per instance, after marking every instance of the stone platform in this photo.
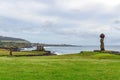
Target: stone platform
(108, 51)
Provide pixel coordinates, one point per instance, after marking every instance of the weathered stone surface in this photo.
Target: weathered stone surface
(11, 51)
(40, 48)
(102, 36)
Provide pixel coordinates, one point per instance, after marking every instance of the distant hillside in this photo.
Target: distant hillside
(11, 39)
(13, 42)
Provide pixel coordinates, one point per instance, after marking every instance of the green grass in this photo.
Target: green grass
(4, 52)
(83, 66)
(98, 55)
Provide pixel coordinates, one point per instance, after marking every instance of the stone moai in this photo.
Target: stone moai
(102, 36)
(40, 48)
(11, 49)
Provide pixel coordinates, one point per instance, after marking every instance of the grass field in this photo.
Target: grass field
(83, 66)
(4, 52)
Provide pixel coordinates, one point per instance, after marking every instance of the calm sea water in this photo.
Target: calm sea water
(68, 50)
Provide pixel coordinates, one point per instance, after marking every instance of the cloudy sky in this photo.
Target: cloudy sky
(61, 21)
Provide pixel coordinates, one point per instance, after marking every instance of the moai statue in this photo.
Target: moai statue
(102, 36)
(40, 48)
(11, 49)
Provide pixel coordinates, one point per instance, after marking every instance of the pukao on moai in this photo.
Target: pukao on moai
(102, 36)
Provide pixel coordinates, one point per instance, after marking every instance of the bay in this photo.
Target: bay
(72, 50)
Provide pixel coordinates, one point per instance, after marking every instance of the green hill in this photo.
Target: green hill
(10, 41)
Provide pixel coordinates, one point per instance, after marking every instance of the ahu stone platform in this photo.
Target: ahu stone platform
(108, 51)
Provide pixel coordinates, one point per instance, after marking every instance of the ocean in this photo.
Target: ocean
(72, 50)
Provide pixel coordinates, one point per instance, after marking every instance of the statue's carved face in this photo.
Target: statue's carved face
(102, 35)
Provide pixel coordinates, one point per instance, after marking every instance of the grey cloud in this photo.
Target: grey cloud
(75, 25)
